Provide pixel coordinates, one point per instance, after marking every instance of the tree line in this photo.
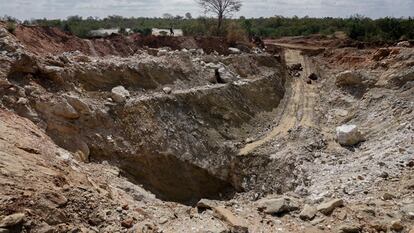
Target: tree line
(356, 27)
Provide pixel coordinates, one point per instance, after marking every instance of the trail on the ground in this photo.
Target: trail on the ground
(298, 106)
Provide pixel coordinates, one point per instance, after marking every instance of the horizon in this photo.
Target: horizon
(61, 9)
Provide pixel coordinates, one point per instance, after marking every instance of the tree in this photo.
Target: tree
(222, 8)
(188, 15)
(167, 16)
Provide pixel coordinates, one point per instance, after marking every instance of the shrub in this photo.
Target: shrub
(11, 27)
(236, 33)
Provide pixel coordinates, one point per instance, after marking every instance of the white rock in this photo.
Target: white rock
(348, 135)
(120, 94)
(167, 90)
(162, 52)
(404, 44)
(234, 50)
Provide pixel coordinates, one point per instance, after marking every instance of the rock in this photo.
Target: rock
(144, 227)
(65, 110)
(349, 228)
(12, 220)
(278, 206)
(381, 54)
(329, 206)
(348, 135)
(45, 228)
(412, 230)
(234, 50)
(349, 78)
(22, 101)
(167, 90)
(3, 230)
(3, 32)
(408, 211)
(384, 175)
(225, 76)
(404, 44)
(127, 223)
(56, 199)
(396, 225)
(78, 104)
(120, 94)
(162, 52)
(308, 213)
(233, 221)
(313, 77)
(206, 204)
(163, 220)
(387, 196)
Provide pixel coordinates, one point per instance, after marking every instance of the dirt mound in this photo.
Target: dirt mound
(51, 40)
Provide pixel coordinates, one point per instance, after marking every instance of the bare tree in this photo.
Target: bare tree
(221, 8)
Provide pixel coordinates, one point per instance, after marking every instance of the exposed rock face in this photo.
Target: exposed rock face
(348, 135)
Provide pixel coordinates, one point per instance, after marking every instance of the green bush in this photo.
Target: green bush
(11, 27)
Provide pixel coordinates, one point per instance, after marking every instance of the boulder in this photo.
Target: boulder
(278, 206)
(120, 94)
(12, 220)
(348, 78)
(348, 135)
(329, 206)
(308, 213)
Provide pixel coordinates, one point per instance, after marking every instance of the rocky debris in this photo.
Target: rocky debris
(381, 54)
(12, 220)
(348, 78)
(348, 135)
(278, 206)
(404, 44)
(119, 94)
(328, 207)
(308, 212)
(236, 223)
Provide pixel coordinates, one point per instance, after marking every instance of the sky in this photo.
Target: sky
(54, 9)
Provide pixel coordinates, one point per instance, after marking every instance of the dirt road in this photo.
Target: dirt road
(298, 106)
